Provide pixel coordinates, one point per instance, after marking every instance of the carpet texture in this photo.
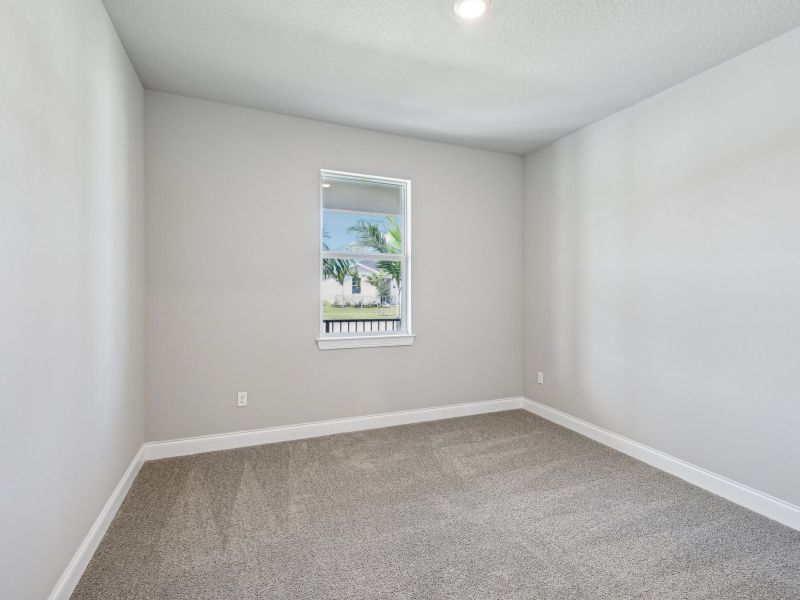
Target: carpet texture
(505, 505)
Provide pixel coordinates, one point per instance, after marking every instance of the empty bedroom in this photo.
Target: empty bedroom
(421, 299)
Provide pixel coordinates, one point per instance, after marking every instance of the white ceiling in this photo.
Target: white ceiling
(525, 74)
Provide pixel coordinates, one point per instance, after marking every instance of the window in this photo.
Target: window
(364, 261)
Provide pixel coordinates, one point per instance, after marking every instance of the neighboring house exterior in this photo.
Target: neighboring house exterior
(358, 291)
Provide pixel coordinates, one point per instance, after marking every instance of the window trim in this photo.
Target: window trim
(404, 337)
(365, 341)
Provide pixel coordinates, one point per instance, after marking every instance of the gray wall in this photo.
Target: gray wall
(662, 270)
(72, 273)
(232, 272)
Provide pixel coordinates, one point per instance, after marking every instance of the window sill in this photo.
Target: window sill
(365, 341)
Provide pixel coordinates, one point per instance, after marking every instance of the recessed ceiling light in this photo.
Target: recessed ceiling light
(470, 9)
(326, 185)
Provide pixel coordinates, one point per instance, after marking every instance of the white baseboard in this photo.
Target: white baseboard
(72, 574)
(759, 502)
(256, 437)
(155, 450)
(763, 504)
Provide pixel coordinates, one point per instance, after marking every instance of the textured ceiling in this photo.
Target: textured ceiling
(525, 74)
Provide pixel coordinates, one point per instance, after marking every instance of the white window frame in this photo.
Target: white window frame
(404, 337)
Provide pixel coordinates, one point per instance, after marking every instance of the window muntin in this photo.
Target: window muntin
(364, 262)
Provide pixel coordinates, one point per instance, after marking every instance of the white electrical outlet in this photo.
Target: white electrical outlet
(540, 378)
(241, 400)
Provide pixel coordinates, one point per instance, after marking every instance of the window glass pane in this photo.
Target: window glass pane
(361, 196)
(373, 306)
(362, 233)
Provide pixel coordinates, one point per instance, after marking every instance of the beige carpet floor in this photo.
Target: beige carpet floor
(505, 505)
